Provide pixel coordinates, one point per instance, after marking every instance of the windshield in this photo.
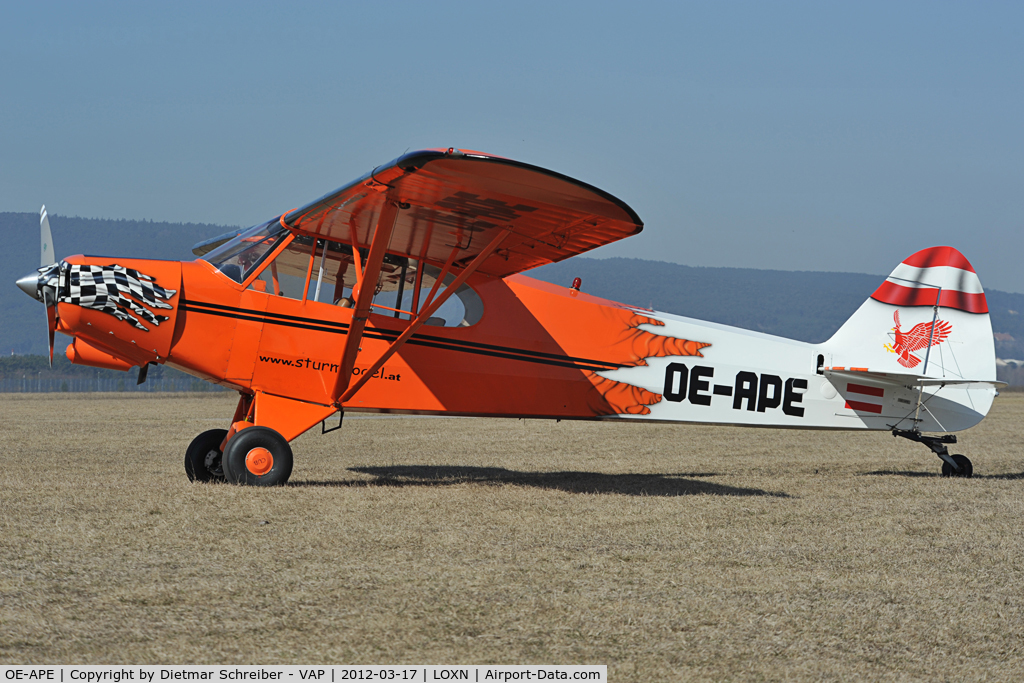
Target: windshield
(237, 258)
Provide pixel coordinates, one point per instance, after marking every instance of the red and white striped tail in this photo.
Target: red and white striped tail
(896, 329)
(938, 275)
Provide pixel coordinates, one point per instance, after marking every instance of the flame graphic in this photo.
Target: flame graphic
(631, 348)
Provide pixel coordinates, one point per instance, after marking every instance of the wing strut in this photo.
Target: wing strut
(440, 278)
(364, 297)
(927, 353)
(419, 271)
(415, 323)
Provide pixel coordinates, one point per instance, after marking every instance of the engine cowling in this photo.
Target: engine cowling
(82, 352)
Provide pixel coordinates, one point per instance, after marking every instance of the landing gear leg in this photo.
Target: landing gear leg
(955, 465)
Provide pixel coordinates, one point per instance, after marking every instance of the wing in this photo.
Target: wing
(917, 338)
(450, 199)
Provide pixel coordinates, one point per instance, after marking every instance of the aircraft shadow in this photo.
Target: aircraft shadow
(681, 484)
(1010, 477)
(898, 473)
(902, 473)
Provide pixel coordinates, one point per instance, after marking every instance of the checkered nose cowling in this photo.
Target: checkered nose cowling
(124, 308)
(124, 293)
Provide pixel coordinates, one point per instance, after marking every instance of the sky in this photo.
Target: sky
(792, 136)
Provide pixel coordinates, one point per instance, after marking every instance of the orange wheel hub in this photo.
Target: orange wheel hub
(259, 461)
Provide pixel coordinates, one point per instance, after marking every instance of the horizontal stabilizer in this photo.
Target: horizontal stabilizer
(907, 380)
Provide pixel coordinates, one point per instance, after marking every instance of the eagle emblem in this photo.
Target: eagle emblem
(915, 339)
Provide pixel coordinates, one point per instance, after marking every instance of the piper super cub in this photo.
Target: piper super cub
(402, 292)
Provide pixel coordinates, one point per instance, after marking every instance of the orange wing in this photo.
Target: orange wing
(917, 338)
(450, 199)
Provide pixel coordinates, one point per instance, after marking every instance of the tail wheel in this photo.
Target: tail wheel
(257, 456)
(203, 459)
(963, 462)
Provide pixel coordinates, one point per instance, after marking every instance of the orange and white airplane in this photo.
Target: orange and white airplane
(402, 292)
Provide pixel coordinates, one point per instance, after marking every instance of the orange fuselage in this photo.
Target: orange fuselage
(535, 352)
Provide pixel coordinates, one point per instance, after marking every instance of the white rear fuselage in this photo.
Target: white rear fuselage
(755, 379)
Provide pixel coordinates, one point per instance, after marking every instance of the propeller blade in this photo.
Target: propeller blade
(46, 256)
(51, 318)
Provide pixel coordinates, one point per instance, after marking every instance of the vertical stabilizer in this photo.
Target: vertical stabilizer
(928, 318)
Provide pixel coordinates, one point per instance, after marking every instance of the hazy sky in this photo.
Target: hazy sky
(812, 136)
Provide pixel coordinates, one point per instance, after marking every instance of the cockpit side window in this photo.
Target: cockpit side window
(239, 257)
(464, 308)
(285, 275)
(332, 276)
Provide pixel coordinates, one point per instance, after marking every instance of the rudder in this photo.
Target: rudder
(897, 330)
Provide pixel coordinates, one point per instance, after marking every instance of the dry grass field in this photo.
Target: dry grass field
(665, 552)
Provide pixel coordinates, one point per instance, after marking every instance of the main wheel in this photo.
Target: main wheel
(203, 459)
(966, 468)
(257, 456)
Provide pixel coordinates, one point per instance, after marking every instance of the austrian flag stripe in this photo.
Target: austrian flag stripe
(864, 406)
(937, 275)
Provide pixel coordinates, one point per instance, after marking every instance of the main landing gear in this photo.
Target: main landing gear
(257, 456)
(254, 456)
(203, 459)
(955, 465)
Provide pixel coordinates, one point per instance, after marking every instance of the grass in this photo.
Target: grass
(682, 552)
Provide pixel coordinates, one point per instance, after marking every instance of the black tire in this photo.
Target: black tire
(246, 458)
(203, 459)
(966, 468)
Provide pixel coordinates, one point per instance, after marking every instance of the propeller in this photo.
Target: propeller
(46, 257)
(42, 284)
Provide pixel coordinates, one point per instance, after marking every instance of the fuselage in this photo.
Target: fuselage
(534, 350)
(339, 306)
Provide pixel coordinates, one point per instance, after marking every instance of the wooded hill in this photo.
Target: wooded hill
(805, 305)
(809, 306)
